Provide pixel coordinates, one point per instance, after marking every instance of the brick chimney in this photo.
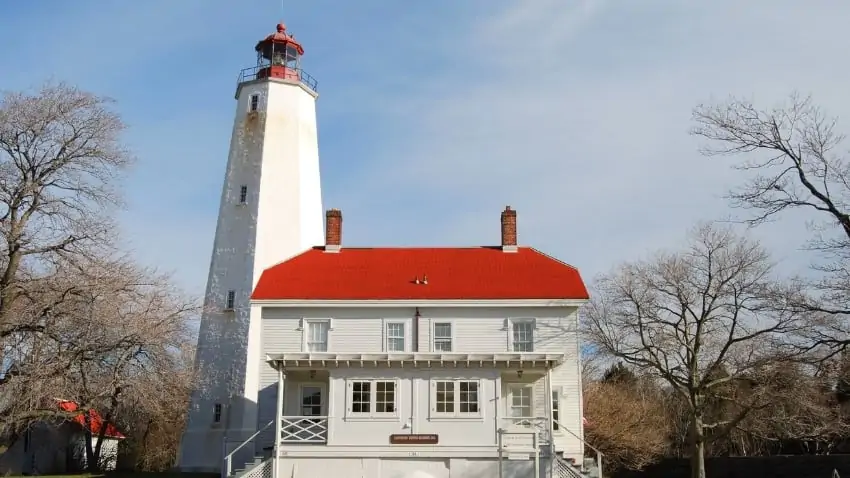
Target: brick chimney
(509, 230)
(333, 230)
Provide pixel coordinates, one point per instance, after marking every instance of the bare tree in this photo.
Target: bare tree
(697, 319)
(78, 321)
(120, 334)
(627, 422)
(60, 157)
(791, 162)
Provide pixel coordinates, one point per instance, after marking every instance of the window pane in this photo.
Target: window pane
(361, 397)
(445, 397)
(385, 397)
(468, 397)
(523, 336)
(317, 338)
(555, 409)
(395, 337)
(443, 337)
(521, 402)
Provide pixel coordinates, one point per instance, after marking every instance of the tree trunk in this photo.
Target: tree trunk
(697, 448)
(92, 460)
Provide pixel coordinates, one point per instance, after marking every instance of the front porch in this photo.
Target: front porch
(305, 417)
(315, 394)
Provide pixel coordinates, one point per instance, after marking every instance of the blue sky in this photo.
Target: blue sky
(435, 115)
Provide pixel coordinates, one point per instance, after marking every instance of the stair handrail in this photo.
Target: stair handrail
(599, 454)
(228, 460)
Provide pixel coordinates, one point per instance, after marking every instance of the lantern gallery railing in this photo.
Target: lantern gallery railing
(304, 429)
(258, 72)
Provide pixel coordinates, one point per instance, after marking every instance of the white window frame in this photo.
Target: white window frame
(251, 108)
(372, 414)
(455, 415)
(510, 399)
(557, 397)
(509, 326)
(243, 194)
(453, 343)
(386, 335)
(323, 393)
(229, 299)
(304, 325)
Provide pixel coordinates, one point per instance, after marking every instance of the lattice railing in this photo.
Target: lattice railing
(263, 470)
(304, 429)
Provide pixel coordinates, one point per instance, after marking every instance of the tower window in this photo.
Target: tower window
(255, 102)
(243, 194)
(217, 413)
(231, 299)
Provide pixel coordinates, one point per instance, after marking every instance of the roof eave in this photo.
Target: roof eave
(419, 302)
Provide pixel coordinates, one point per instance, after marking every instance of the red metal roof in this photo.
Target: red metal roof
(95, 420)
(280, 37)
(462, 273)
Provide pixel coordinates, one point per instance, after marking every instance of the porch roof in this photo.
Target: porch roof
(513, 360)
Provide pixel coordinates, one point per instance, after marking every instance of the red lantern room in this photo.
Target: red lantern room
(279, 56)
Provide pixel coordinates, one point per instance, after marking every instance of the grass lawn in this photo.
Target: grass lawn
(131, 474)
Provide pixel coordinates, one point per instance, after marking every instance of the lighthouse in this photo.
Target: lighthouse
(270, 210)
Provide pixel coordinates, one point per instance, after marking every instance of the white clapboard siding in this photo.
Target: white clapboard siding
(474, 330)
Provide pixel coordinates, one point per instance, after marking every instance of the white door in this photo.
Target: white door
(520, 403)
(312, 401)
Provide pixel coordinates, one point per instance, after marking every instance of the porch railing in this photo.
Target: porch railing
(539, 424)
(304, 430)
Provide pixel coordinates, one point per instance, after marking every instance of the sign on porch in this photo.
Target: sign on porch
(411, 439)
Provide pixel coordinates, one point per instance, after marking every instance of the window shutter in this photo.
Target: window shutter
(506, 324)
(301, 323)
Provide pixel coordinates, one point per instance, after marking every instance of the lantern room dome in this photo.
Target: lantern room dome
(280, 37)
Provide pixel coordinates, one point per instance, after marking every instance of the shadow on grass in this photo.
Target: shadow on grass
(136, 474)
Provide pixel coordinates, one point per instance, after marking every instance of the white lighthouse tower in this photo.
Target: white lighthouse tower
(270, 210)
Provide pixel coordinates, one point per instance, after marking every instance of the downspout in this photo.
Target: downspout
(278, 414)
(550, 419)
(416, 317)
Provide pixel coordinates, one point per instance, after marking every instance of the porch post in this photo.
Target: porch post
(550, 419)
(278, 414)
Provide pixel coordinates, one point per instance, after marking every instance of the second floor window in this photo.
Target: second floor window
(443, 337)
(217, 413)
(255, 103)
(317, 336)
(523, 336)
(395, 337)
(243, 194)
(230, 301)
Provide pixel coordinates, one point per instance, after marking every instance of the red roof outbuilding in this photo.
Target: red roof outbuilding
(95, 420)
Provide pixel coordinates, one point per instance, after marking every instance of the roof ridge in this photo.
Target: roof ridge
(319, 248)
(559, 261)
